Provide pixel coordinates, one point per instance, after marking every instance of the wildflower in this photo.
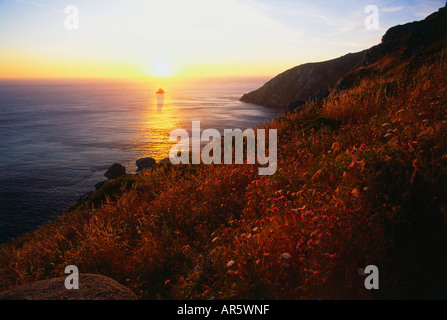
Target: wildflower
(197, 267)
(277, 199)
(286, 255)
(336, 147)
(311, 272)
(354, 164)
(349, 212)
(356, 193)
(185, 249)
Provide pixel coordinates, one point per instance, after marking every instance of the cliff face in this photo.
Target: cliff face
(300, 82)
(411, 43)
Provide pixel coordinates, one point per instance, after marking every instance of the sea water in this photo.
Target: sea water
(57, 138)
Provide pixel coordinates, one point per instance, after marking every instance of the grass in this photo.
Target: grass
(362, 179)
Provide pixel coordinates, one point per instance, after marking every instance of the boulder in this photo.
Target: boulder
(145, 163)
(115, 171)
(91, 287)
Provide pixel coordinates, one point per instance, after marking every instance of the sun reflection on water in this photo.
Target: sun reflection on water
(159, 119)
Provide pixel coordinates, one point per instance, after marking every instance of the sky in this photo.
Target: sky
(194, 38)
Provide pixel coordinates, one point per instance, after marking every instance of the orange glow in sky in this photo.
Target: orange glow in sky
(177, 38)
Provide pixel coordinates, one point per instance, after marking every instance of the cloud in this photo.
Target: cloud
(39, 5)
(391, 9)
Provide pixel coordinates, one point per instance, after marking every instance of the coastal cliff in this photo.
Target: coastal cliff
(300, 82)
(361, 180)
(418, 41)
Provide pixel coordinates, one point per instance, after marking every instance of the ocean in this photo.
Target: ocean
(57, 138)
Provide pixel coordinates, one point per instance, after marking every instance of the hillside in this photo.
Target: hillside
(416, 40)
(361, 180)
(300, 82)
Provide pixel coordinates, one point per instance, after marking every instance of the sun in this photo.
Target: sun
(161, 69)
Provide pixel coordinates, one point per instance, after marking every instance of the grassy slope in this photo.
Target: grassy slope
(345, 196)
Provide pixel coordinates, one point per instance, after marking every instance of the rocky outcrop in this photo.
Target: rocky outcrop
(411, 44)
(302, 81)
(91, 287)
(115, 171)
(300, 86)
(145, 163)
(404, 41)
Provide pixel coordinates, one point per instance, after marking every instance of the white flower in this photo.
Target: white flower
(286, 255)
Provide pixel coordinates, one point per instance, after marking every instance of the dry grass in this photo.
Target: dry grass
(361, 180)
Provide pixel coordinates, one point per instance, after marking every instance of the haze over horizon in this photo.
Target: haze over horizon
(178, 39)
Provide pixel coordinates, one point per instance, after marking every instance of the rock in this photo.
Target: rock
(165, 160)
(85, 196)
(99, 185)
(297, 105)
(115, 171)
(318, 95)
(145, 163)
(91, 287)
(314, 97)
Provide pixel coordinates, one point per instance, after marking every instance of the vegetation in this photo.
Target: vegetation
(361, 180)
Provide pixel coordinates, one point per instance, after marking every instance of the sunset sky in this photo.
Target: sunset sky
(194, 38)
